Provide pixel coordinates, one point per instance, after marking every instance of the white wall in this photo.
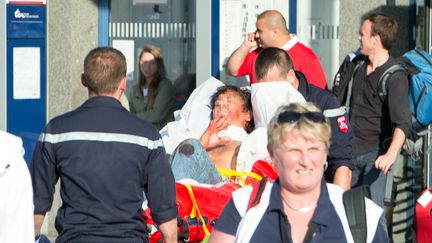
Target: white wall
(318, 28)
(203, 41)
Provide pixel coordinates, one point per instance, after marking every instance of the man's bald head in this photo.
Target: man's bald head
(274, 20)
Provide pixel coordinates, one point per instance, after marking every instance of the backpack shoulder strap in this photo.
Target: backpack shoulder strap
(382, 83)
(350, 84)
(355, 209)
(257, 191)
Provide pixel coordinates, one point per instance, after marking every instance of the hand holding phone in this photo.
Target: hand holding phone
(251, 41)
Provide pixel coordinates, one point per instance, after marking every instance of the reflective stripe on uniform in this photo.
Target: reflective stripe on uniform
(101, 137)
(334, 112)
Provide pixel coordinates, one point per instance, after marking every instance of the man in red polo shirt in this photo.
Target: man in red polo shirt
(272, 32)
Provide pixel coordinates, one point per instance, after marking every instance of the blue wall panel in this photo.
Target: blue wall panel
(26, 116)
(215, 31)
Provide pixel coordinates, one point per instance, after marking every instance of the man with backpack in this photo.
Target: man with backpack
(380, 122)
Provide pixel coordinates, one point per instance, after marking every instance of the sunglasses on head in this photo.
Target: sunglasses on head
(293, 116)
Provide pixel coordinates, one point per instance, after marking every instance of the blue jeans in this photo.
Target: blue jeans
(190, 160)
(365, 173)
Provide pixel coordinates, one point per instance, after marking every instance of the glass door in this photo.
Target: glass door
(167, 24)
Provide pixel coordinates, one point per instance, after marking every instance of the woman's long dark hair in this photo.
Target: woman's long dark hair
(158, 76)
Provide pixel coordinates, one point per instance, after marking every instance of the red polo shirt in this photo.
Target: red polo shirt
(304, 60)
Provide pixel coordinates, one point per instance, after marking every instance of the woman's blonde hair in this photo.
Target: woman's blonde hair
(312, 130)
(159, 75)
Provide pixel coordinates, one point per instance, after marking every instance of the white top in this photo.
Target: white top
(145, 95)
(266, 99)
(253, 148)
(252, 217)
(145, 92)
(16, 193)
(268, 96)
(234, 133)
(290, 43)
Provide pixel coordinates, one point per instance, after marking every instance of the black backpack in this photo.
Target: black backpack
(342, 83)
(355, 209)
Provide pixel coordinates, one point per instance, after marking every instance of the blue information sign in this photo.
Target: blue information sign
(26, 21)
(26, 52)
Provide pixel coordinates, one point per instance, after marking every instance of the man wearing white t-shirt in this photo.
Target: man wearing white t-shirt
(16, 193)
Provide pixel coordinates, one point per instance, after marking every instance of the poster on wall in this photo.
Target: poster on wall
(127, 48)
(237, 19)
(26, 73)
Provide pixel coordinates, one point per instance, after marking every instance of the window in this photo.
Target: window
(168, 24)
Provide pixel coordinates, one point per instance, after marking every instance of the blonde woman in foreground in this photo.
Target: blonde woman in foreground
(299, 206)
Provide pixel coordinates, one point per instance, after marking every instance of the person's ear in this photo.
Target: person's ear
(376, 39)
(83, 80)
(122, 86)
(291, 76)
(275, 31)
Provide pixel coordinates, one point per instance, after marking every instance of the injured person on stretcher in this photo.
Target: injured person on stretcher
(232, 119)
(231, 122)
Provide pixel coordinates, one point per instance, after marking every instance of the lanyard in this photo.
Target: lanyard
(283, 228)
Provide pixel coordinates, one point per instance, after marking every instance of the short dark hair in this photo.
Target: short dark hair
(272, 57)
(383, 25)
(244, 95)
(104, 67)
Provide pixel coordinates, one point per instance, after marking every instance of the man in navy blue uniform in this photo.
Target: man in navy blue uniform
(274, 64)
(106, 158)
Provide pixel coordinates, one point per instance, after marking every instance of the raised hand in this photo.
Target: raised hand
(250, 41)
(210, 137)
